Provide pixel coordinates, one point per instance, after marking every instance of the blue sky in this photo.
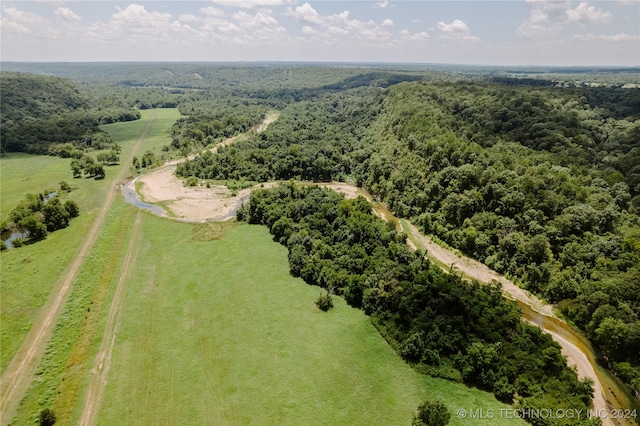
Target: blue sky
(526, 32)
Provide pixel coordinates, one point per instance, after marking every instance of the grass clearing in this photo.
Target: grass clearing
(60, 371)
(29, 273)
(126, 133)
(218, 332)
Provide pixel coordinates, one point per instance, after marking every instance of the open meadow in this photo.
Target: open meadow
(218, 332)
(28, 274)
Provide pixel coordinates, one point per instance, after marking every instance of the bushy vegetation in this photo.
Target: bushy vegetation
(533, 183)
(440, 323)
(52, 115)
(39, 214)
(431, 413)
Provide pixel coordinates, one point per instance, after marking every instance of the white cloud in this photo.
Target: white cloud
(340, 24)
(16, 21)
(248, 4)
(586, 14)
(548, 18)
(67, 14)
(261, 26)
(137, 16)
(456, 26)
(383, 4)
(212, 11)
(407, 35)
(456, 30)
(615, 38)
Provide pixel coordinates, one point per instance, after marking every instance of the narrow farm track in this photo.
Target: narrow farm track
(102, 362)
(17, 377)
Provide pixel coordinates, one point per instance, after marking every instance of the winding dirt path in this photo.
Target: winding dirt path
(102, 362)
(17, 377)
(479, 271)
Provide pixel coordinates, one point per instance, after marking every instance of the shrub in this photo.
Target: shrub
(324, 301)
(431, 413)
(47, 417)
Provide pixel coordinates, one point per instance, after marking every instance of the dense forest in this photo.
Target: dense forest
(311, 140)
(540, 183)
(442, 324)
(41, 113)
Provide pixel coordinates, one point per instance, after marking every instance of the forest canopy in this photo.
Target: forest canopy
(39, 112)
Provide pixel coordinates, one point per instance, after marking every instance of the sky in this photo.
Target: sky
(473, 32)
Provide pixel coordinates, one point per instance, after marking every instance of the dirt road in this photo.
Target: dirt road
(18, 375)
(102, 362)
(476, 270)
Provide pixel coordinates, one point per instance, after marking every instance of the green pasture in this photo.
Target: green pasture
(127, 133)
(29, 273)
(218, 332)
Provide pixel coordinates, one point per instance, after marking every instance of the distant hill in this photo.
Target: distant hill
(37, 111)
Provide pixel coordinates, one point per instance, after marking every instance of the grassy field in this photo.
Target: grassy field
(218, 332)
(22, 290)
(29, 273)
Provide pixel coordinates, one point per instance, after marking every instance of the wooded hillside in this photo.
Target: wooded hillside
(39, 111)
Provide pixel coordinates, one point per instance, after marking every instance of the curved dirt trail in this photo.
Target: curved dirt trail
(18, 375)
(479, 271)
(102, 362)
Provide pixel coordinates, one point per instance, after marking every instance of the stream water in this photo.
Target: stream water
(131, 196)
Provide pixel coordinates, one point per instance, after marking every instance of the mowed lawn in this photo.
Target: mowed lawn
(219, 333)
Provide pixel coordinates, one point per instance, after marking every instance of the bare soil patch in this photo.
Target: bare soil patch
(197, 203)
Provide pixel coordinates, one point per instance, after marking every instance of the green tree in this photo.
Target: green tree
(36, 229)
(324, 302)
(72, 208)
(431, 413)
(55, 215)
(47, 417)
(76, 168)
